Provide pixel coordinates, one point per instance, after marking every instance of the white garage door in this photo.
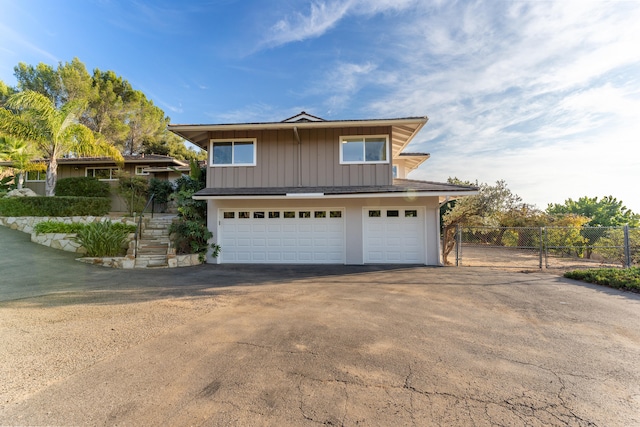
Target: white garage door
(304, 236)
(394, 235)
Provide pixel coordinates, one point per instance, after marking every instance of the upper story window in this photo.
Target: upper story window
(233, 152)
(105, 174)
(364, 149)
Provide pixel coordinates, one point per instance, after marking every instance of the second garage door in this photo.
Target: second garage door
(288, 236)
(394, 235)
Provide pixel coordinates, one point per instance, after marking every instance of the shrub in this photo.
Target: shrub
(54, 206)
(189, 232)
(82, 186)
(133, 190)
(103, 239)
(57, 227)
(63, 227)
(627, 279)
(161, 188)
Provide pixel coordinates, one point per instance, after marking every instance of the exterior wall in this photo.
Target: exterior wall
(353, 220)
(280, 164)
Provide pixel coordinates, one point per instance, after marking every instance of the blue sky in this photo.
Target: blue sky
(542, 94)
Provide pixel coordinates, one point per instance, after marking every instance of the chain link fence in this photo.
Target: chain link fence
(544, 247)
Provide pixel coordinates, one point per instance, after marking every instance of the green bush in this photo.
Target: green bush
(627, 279)
(189, 231)
(161, 188)
(133, 190)
(75, 227)
(57, 227)
(82, 186)
(103, 239)
(54, 206)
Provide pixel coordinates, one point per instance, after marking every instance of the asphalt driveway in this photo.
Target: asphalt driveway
(251, 345)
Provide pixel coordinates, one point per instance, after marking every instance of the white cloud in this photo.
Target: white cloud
(320, 16)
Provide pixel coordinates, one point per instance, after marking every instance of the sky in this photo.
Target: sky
(542, 94)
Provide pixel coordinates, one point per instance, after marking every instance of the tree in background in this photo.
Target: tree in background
(21, 155)
(53, 131)
(493, 206)
(606, 212)
(125, 117)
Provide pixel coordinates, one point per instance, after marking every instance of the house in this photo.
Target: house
(104, 168)
(308, 190)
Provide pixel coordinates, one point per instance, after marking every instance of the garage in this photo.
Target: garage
(394, 235)
(288, 236)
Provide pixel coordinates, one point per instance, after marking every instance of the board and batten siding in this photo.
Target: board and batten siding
(279, 165)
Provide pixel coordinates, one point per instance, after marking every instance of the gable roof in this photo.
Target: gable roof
(303, 117)
(402, 129)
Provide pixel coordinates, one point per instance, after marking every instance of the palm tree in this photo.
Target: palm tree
(54, 132)
(21, 155)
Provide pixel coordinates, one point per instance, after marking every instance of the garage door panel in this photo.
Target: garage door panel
(394, 239)
(276, 239)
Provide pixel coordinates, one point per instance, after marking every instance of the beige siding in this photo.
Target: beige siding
(280, 164)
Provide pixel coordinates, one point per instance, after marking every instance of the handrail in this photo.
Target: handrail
(139, 226)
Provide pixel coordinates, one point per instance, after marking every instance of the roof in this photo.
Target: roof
(402, 129)
(413, 160)
(145, 159)
(416, 188)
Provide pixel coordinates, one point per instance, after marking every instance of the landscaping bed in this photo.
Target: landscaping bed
(627, 279)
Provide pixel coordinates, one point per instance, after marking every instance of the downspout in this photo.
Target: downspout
(295, 133)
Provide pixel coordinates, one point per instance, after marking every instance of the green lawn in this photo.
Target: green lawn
(626, 279)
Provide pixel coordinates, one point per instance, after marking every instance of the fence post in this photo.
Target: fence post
(458, 244)
(541, 248)
(627, 247)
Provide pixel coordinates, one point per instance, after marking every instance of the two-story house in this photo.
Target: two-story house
(308, 190)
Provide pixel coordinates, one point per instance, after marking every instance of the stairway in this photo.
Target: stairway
(154, 244)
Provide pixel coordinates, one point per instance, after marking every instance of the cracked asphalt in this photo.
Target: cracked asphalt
(306, 346)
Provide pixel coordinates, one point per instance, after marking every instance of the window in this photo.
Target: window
(364, 149)
(258, 214)
(374, 214)
(243, 215)
(237, 152)
(393, 213)
(335, 214)
(36, 176)
(411, 213)
(320, 214)
(394, 171)
(228, 215)
(275, 214)
(140, 170)
(304, 214)
(289, 214)
(105, 174)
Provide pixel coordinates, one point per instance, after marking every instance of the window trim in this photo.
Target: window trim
(112, 176)
(365, 161)
(233, 141)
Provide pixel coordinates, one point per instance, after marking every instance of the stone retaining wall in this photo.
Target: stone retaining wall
(127, 262)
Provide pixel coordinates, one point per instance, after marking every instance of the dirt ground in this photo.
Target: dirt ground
(526, 260)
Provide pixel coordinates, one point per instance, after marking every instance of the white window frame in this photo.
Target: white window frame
(140, 171)
(112, 172)
(233, 141)
(42, 176)
(364, 152)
